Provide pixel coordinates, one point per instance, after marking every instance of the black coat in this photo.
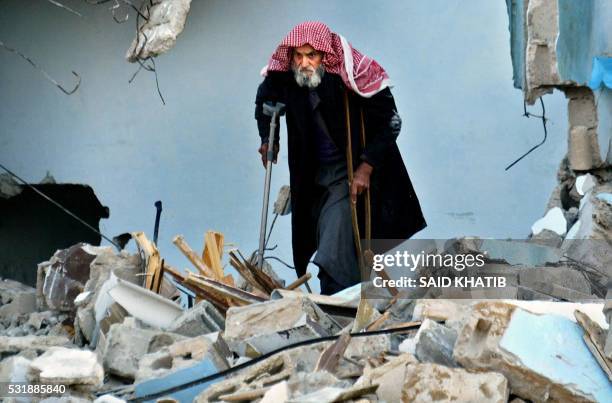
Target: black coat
(396, 212)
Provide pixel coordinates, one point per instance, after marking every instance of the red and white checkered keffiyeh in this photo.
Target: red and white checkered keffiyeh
(359, 72)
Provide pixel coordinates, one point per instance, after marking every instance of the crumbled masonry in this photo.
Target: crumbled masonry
(75, 331)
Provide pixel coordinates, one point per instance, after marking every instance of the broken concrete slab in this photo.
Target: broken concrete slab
(94, 303)
(514, 252)
(64, 277)
(435, 343)
(14, 369)
(432, 382)
(260, 328)
(165, 20)
(182, 354)
(544, 279)
(67, 366)
(13, 345)
(203, 318)
(594, 337)
(500, 337)
(388, 377)
(554, 220)
(127, 343)
(440, 309)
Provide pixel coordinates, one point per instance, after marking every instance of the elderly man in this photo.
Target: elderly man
(319, 76)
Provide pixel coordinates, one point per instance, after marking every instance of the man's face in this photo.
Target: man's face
(307, 59)
(307, 67)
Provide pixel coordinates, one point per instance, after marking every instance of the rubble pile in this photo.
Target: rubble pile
(109, 327)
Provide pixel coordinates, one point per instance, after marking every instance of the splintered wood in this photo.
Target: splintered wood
(152, 261)
(210, 282)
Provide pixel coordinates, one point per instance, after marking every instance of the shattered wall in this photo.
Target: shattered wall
(555, 44)
(31, 228)
(566, 45)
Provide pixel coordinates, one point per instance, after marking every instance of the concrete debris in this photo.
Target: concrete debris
(584, 183)
(165, 20)
(14, 369)
(500, 337)
(127, 343)
(94, 303)
(64, 277)
(39, 344)
(60, 365)
(16, 299)
(146, 344)
(182, 354)
(435, 343)
(554, 221)
(388, 377)
(260, 328)
(201, 319)
(431, 382)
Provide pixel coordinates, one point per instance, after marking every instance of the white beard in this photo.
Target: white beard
(304, 80)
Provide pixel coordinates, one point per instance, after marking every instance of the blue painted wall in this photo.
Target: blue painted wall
(449, 60)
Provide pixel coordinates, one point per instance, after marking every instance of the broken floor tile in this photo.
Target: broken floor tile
(424, 383)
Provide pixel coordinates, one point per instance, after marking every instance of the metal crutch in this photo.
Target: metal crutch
(275, 111)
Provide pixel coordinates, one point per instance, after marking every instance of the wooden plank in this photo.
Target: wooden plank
(213, 252)
(330, 357)
(377, 324)
(299, 282)
(182, 245)
(152, 260)
(246, 273)
(200, 293)
(268, 282)
(235, 296)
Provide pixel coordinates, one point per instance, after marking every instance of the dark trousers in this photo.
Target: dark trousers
(336, 256)
(329, 286)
